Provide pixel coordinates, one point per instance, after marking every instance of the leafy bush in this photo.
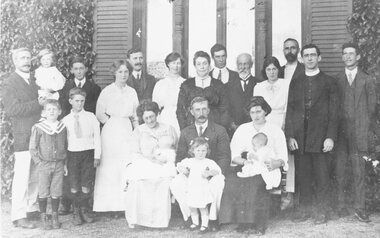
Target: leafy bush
(64, 26)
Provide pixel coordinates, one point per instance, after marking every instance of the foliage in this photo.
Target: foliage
(64, 26)
(364, 25)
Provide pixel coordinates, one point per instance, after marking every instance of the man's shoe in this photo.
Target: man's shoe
(64, 211)
(45, 222)
(300, 216)
(343, 212)
(24, 223)
(55, 220)
(86, 216)
(320, 219)
(77, 220)
(361, 215)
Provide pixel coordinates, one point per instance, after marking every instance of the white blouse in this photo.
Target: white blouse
(276, 95)
(242, 140)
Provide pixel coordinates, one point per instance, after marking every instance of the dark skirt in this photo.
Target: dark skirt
(244, 200)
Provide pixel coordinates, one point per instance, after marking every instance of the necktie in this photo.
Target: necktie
(350, 78)
(200, 131)
(77, 128)
(80, 84)
(220, 75)
(245, 87)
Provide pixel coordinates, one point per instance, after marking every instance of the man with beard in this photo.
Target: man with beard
(221, 72)
(219, 145)
(311, 129)
(240, 90)
(142, 82)
(292, 68)
(22, 105)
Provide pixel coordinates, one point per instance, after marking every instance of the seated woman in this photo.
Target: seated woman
(245, 200)
(147, 201)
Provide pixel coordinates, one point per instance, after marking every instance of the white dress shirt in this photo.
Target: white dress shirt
(204, 126)
(135, 73)
(352, 72)
(289, 71)
(225, 74)
(83, 81)
(90, 128)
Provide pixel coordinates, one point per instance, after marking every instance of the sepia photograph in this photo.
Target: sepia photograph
(190, 118)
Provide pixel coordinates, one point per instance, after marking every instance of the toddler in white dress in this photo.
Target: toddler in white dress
(199, 170)
(256, 159)
(48, 77)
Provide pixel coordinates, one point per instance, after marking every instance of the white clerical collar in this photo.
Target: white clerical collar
(23, 75)
(353, 71)
(77, 81)
(312, 73)
(135, 73)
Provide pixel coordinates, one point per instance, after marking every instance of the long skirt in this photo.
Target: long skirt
(244, 200)
(110, 175)
(147, 202)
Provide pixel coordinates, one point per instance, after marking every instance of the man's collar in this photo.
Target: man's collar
(353, 71)
(83, 81)
(204, 125)
(23, 75)
(135, 73)
(246, 77)
(80, 112)
(312, 73)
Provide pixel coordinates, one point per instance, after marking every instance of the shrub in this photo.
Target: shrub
(64, 26)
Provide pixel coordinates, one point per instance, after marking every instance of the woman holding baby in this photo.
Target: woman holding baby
(151, 170)
(245, 199)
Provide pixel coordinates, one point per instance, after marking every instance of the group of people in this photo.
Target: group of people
(216, 143)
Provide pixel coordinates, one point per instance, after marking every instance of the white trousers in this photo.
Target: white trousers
(178, 188)
(24, 186)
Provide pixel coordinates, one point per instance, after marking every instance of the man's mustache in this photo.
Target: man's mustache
(202, 117)
(138, 64)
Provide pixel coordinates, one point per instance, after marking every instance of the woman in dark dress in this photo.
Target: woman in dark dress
(245, 201)
(202, 85)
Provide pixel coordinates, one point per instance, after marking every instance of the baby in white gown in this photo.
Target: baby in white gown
(256, 158)
(48, 77)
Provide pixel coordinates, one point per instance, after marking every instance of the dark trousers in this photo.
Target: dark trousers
(312, 180)
(347, 151)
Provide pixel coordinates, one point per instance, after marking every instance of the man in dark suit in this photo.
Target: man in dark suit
(22, 105)
(219, 145)
(292, 69)
(358, 102)
(221, 72)
(141, 81)
(311, 129)
(78, 69)
(240, 90)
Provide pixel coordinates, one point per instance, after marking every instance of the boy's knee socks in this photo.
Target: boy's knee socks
(54, 204)
(42, 202)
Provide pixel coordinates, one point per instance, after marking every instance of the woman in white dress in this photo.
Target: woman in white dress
(147, 200)
(275, 91)
(116, 109)
(166, 91)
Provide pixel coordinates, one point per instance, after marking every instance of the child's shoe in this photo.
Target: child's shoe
(45, 222)
(77, 220)
(85, 216)
(55, 221)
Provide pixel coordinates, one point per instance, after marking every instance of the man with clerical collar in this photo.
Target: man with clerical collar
(240, 90)
(357, 92)
(219, 145)
(311, 129)
(142, 82)
(292, 68)
(221, 72)
(23, 106)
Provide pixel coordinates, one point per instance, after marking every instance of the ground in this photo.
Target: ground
(106, 226)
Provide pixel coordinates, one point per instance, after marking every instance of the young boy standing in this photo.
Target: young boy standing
(48, 150)
(83, 135)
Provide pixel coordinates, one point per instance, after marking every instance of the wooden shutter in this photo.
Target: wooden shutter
(324, 24)
(113, 36)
